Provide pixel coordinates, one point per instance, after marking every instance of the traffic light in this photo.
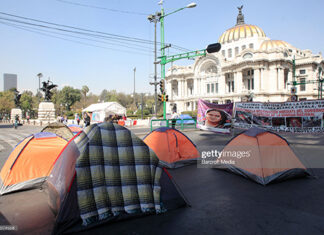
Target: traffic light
(162, 85)
(293, 90)
(160, 97)
(215, 47)
(166, 98)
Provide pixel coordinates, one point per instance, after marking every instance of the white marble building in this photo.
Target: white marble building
(249, 65)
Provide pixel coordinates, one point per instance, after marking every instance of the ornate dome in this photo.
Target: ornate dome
(273, 44)
(241, 31)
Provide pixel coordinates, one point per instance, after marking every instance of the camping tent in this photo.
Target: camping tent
(101, 110)
(262, 156)
(31, 161)
(104, 170)
(75, 128)
(59, 129)
(41, 168)
(173, 148)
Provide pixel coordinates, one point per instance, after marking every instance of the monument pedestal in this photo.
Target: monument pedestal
(46, 112)
(14, 112)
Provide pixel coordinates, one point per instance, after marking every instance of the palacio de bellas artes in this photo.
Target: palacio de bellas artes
(249, 67)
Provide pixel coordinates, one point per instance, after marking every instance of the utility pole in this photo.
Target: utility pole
(155, 18)
(142, 105)
(155, 70)
(134, 86)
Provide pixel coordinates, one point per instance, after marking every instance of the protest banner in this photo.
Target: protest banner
(214, 117)
(302, 116)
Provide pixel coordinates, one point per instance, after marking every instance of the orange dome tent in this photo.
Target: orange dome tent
(31, 161)
(262, 156)
(172, 147)
(75, 128)
(54, 204)
(34, 181)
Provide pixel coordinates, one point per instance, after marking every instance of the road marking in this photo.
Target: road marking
(17, 137)
(11, 142)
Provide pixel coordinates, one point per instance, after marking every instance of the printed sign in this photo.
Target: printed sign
(214, 117)
(302, 116)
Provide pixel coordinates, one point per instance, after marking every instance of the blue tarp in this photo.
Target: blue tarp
(185, 116)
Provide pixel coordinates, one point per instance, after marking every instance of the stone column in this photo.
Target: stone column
(262, 79)
(281, 78)
(272, 79)
(238, 82)
(199, 87)
(257, 81)
(180, 88)
(222, 85)
(169, 89)
(195, 86)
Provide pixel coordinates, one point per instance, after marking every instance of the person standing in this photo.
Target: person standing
(77, 118)
(86, 119)
(174, 118)
(16, 121)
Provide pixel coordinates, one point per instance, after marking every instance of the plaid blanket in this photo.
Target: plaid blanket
(116, 173)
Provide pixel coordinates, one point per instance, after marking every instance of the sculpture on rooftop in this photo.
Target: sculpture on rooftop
(240, 17)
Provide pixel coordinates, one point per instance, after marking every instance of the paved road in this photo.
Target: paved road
(222, 202)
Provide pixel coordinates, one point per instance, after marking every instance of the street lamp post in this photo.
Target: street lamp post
(155, 18)
(163, 57)
(40, 75)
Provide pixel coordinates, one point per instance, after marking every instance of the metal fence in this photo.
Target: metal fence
(156, 123)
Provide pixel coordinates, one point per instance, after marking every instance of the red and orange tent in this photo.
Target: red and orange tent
(31, 161)
(75, 128)
(262, 156)
(172, 147)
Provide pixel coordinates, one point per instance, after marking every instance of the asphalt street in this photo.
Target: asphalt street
(222, 202)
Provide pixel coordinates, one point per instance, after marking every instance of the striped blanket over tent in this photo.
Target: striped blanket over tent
(116, 173)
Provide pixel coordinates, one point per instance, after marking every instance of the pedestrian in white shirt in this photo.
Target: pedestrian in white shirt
(174, 118)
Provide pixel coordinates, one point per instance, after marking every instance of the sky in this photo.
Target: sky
(103, 63)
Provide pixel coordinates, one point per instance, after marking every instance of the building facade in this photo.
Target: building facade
(9, 81)
(249, 67)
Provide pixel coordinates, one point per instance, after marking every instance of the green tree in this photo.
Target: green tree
(6, 101)
(68, 96)
(104, 96)
(84, 91)
(26, 102)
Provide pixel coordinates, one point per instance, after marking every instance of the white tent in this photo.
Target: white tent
(101, 110)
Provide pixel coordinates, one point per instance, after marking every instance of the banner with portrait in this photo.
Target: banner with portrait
(302, 116)
(214, 117)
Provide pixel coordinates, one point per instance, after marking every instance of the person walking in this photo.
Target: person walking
(16, 121)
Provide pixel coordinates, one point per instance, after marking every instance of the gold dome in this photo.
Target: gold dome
(241, 31)
(273, 44)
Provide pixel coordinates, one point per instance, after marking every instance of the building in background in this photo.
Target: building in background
(9, 81)
(250, 66)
